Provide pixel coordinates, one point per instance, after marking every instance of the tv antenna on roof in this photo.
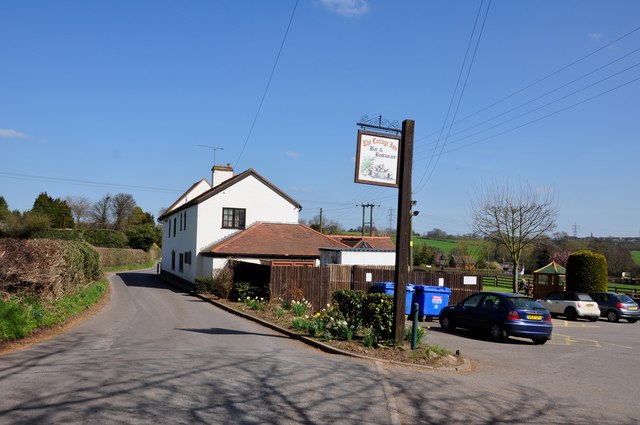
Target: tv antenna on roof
(214, 149)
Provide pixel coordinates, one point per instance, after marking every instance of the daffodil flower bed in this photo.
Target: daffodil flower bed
(366, 332)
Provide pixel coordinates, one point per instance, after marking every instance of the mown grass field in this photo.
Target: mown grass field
(636, 256)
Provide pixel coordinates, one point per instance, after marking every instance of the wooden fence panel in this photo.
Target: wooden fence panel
(317, 284)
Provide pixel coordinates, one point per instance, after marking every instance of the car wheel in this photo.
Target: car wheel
(540, 341)
(445, 323)
(612, 316)
(571, 314)
(632, 320)
(497, 333)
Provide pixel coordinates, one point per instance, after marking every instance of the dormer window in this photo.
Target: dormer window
(233, 218)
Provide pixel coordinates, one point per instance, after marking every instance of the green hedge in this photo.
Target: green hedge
(587, 272)
(106, 238)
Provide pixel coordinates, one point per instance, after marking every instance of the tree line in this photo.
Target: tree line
(117, 216)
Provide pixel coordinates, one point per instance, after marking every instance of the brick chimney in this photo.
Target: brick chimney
(220, 173)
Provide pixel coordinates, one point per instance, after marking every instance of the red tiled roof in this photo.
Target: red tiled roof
(274, 240)
(373, 242)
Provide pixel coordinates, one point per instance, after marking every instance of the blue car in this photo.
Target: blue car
(500, 315)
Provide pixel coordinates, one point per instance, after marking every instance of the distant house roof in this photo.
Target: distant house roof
(373, 242)
(225, 185)
(273, 240)
(551, 268)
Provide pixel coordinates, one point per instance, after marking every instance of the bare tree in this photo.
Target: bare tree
(101, 211)
(80, 207)
(122, 207)
(513, 218)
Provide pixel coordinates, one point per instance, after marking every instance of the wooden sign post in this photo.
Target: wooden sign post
(403, 235)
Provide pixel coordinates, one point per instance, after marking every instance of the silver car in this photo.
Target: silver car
(616, 306)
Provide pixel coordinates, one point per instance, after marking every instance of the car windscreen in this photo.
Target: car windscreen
(524, 303)
(584, 297)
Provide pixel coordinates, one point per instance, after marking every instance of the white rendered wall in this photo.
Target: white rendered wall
(368, 258)
(261, 203)
(183, 241)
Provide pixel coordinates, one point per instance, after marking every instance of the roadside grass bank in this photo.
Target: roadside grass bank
(21, 316)
(25, 316)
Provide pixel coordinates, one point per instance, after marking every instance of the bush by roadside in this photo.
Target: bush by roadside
(121, 257)
(45, 268)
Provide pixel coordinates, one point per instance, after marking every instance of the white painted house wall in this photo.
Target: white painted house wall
(204, 224)
(359, 257)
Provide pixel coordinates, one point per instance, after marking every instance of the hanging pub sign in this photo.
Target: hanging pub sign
(377, 158)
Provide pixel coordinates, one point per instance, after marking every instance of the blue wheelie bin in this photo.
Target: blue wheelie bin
(389, 288)
(430, 300)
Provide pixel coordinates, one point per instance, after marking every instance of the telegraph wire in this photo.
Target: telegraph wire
(540, 80)
(86, 182)
(546, 116)
(455, 90)
(549, 103)
(420, 183)
(264, 95)
(555, 90)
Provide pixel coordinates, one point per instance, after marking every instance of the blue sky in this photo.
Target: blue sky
(110, 97)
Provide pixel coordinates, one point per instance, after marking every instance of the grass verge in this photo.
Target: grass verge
(19, 317)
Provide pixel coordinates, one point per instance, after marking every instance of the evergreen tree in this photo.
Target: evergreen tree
(56, 210)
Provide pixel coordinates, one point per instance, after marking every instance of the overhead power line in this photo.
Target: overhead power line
(546, 116)
(264, 95)
(475, 50)
(539, 80)
(551, 92)
(85, 182)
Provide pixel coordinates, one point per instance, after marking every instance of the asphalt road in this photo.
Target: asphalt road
(157, 355)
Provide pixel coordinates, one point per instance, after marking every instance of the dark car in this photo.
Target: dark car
(500, 315)
(616, 306)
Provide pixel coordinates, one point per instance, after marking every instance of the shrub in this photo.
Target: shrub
(143, 236)
(106, 238)
(587, 272)
(116, 257)
(204, 284)
(61, 234)
(377, 314)
(46, 268)
(350, 304)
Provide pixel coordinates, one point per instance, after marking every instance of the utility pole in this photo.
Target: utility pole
(404, 228)
(320, 220)
(370, 219)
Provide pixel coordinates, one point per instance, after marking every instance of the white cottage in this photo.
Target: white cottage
(207, 213)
